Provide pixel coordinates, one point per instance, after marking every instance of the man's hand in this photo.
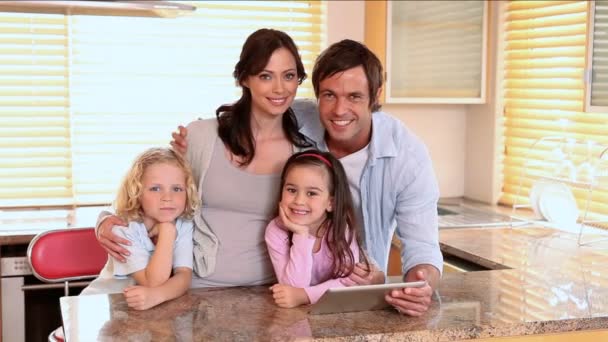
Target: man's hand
(286, 296)
(290, 225)
(415, 301)
(179, 142)
(362, 275)
(141, 297)
(110, 241)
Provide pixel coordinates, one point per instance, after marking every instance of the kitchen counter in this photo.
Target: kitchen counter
(525, 247)
(472, 305)
(541, 282)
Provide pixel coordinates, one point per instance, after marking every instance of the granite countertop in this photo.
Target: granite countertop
(530, 246)
(548, 284)
(483, 304)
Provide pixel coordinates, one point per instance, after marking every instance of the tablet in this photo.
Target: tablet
(357, 298)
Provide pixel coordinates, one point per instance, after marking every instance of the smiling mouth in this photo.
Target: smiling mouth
(299, 212)
(341, 123)
(278, 102)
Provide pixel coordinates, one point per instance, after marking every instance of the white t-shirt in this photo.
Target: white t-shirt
(116, 276)
(353, 166)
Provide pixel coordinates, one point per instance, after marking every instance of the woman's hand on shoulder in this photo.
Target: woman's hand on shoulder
(179, 142)
(285, 223)
(112, 242)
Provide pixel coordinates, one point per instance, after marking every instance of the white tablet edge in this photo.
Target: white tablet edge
(388, 286)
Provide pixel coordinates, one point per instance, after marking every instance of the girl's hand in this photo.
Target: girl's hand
(141, 297)
(286, 296)
(363, 275)
(166, 227)
(287, 224)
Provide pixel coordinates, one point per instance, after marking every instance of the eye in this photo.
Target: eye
(311, 193)
(356, 98)
(265, 77)
(178, 189)
(328, 96)
(290, 76)
(155, 188)
(290, 190)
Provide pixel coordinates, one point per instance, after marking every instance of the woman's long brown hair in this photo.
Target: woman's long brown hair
(340, 227)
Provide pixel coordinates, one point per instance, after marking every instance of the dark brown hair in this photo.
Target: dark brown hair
(348, 54)
(234, 125)
(340, 223)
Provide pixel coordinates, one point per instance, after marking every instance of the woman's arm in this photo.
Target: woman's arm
(158, 269)
(292, 264)
(143, 297)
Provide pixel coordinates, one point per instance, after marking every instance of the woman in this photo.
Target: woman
(236, 160)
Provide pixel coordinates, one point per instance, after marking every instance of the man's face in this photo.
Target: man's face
(344, 111)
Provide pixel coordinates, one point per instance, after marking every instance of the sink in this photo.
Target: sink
(460, 216)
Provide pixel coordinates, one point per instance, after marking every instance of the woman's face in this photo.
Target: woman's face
(273, 89)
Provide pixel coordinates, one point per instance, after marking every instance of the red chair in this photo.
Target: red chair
(65, 255)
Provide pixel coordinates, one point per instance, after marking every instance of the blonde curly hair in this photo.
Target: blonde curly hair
(127, 204)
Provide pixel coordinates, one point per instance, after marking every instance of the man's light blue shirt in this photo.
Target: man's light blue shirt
(399, 191)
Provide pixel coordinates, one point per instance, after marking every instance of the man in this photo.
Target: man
(390, 172)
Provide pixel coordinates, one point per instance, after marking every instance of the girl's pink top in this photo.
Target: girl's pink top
(297, 265)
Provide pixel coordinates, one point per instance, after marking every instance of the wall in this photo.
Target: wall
(441, 127)
(483, 142)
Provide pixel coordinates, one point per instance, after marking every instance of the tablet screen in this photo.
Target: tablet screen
(357, 298)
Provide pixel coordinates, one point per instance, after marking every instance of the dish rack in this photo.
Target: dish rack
(579, 165)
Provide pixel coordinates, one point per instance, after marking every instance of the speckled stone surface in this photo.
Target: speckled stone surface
(534, 300)
(519, 248)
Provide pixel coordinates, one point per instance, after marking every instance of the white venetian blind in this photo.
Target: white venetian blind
(35, 163)
(127, 83)
(545, 51)
(599, 85)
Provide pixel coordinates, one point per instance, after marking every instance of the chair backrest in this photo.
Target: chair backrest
(66, 254)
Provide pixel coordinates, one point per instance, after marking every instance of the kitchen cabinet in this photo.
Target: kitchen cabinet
(432, 51)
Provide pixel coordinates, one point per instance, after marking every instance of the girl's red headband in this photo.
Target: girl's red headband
(318, 156)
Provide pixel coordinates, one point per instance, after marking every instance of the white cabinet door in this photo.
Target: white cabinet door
(436, 51)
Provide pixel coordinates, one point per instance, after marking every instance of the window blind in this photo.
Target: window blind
(545, 49)
(35, 158)
(599, 85)
(119, 86)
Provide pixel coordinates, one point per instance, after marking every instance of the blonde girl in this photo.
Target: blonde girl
(158, 199)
